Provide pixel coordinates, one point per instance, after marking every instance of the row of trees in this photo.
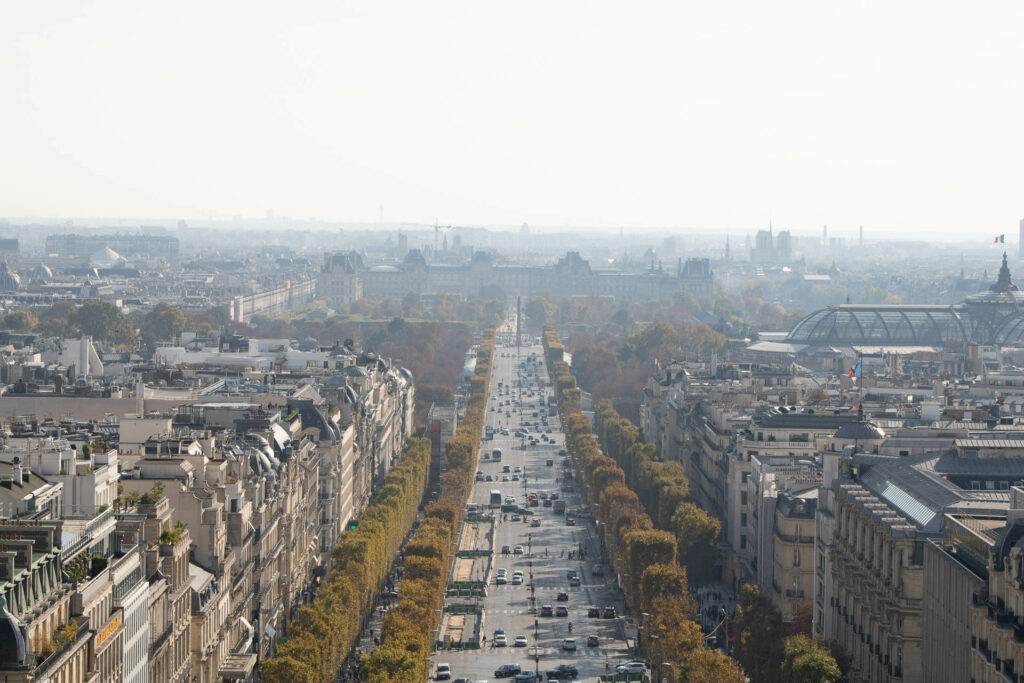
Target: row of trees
(663, 487)
(646, 557)
(324, 633)
(650, 546)
(406, 634)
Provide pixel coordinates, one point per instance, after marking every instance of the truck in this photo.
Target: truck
(496, 499)
(559, 507)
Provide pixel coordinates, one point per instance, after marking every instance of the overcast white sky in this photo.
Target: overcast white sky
(901, 116)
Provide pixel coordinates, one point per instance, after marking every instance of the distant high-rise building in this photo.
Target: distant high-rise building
(860, 240)
(824, 235)
(1020, 243)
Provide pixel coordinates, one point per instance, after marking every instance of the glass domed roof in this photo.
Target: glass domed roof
(880, 325)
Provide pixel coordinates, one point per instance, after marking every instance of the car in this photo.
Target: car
(570, 521)
(500, 641)
(543, 495)
(501, 579)
(499, 632)
(518, 550)
(517, 580)
(608, 613)
(526, 677)
(632, 668)
(574, 582)
(515, 477)
(569, 573)
(569, 644)
(479, 476)
(506, 670)
(518, 572)
(520, 641)
(516, 517)
(554, 495)
(489, 478)
(443, 672)
(548, 502)
(593, 641)
(598, 570)
(561, 611)
(562, 597)
(563, 452)
(594, 612)
(547, 611)
(535, 523)
(563, 672)
(504, 478)
(506, 549)
(462, 680)
(518, 469)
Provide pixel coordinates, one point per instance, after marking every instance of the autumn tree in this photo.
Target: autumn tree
(760, 636)
(103, 321)
(808, 661)
(22, 321)
(163, 323)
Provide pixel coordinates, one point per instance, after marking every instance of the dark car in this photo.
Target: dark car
(561, 611)
(546, 611)
(563, 672)
(507, 670)
(609, 613)
(562, 597)
(594, 612)
(593, 641)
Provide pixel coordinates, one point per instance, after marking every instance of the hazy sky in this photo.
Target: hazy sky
(901, 116)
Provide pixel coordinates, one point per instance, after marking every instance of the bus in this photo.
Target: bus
(496, 499)
(496, 455)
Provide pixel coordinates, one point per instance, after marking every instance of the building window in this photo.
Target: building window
(743, 497)
(743, 519)
(743, 542)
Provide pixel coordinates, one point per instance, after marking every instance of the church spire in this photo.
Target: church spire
(1003, 282)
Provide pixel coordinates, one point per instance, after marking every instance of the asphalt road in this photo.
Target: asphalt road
(546, 547)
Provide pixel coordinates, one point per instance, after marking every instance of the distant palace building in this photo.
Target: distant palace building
(84, 246)
(344, 277)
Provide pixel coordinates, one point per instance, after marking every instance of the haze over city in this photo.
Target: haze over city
(902, 117)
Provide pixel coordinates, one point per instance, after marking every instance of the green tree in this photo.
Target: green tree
(539, 311)
(21, 321)
(808, 661)
(488, 292)
(760, 636)
(817, 396)
(163, 323)
(102, 320)
(623, 319)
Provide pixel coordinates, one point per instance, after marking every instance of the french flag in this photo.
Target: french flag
(999, 238)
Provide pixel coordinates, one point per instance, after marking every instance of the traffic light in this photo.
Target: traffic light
(353, 525)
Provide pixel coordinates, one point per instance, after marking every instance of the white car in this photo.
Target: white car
(518, 550)
(500, 640)
(520, 641)
(517, 581)
(443, 673)
(569, 644)
(632, 668)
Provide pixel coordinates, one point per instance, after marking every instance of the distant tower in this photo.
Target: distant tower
(861, 239)
(519, 315)
(727, 242)
(824, 235)
(1020, 244)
